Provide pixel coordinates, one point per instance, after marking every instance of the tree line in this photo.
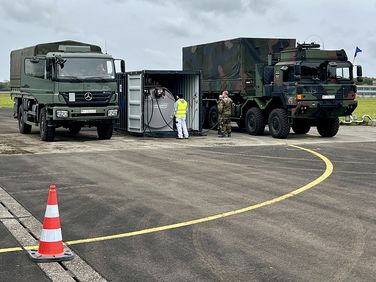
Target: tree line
(4, 86)
(367, 81)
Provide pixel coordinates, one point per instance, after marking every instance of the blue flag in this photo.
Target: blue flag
(357, 50)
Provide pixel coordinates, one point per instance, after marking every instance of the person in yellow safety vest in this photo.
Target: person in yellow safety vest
(180, 112)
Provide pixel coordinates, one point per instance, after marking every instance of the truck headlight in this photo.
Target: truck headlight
(61, 114)
(112, 113)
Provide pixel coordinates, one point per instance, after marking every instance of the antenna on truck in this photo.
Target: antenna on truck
(317, 36)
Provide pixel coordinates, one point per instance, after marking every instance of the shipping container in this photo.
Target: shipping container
(147, 100)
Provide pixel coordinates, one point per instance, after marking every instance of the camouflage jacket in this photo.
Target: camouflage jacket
(220, 106)
(227, 106)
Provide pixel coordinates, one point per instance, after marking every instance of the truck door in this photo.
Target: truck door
(35, 80)
(134, 103)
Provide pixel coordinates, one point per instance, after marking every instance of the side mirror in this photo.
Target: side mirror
(359, 72)
(122, 66)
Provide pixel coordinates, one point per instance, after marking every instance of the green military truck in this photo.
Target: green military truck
(275, 82)
(64, 84)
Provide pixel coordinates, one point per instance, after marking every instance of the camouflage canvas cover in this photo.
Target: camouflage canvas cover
(44, 48)
(313, 55)
(231, 64)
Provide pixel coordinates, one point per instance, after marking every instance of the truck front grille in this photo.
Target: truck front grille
(89, 115)
(83, 98)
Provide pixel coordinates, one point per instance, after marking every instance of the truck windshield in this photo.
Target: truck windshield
(86, 68)
(324, 71)
(339, 71)
(310, 72)
(343, 72)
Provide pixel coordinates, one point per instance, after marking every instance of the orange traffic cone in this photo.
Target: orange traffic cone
(51, 246)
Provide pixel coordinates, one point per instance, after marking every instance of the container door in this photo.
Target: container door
(134, 105)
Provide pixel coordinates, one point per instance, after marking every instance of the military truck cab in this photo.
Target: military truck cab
(64, 84)
(316, 87)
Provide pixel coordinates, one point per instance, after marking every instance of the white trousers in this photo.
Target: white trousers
(181, 125)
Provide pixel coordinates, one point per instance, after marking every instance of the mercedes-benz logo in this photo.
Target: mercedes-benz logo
(88, 96)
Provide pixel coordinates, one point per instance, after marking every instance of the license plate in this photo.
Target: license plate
(72, 97)
(328, 96)
(94, 111)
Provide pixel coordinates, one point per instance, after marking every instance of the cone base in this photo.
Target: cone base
(35, 256)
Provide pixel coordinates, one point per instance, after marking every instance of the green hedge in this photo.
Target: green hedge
(5, 101)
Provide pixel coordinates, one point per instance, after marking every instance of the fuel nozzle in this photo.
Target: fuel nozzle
(159, 92)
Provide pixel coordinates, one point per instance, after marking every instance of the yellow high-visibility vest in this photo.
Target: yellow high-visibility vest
(181, 111)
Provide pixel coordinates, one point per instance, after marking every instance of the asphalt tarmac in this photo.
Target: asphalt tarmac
(163, 200)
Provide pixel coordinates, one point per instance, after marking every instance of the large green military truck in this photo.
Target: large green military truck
(64, 84)
(275, 82)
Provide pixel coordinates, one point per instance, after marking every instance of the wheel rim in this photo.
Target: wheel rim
(20, 118)
(251, 122)
(213, 118)
(20, 122)
(41, 126)
(275, 124)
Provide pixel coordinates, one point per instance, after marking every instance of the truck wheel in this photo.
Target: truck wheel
(47, 133)
(241, 123)
(213, 117)
(204, 119)
(254, 121)
(74, 129)
(328, 127)
(279, 125)
(23, 127)
(105, 130)
(301, 126)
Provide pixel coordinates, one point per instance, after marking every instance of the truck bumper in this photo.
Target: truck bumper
(324, 109)
(59, 113)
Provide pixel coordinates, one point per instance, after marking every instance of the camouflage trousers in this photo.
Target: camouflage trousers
(224, 126)
(220, 125)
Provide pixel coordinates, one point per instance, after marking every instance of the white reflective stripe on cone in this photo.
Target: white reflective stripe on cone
(52, 211)
(51, 235)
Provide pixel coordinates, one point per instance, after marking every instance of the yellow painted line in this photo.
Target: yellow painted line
(16, 249)
(8, 250)
(328, 171)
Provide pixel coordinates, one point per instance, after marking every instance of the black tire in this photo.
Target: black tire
(74, 129)
(105, 130)
(328, 127)
(241, 123)
(23, 127)
(301, 126)
(279, 126)
(204, 118)
(47, 133)
(213, 117)
(254, 121)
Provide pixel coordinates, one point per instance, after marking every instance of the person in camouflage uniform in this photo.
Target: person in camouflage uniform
(220, 115)
(226, 115)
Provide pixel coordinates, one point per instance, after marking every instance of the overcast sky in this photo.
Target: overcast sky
(149, 34)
